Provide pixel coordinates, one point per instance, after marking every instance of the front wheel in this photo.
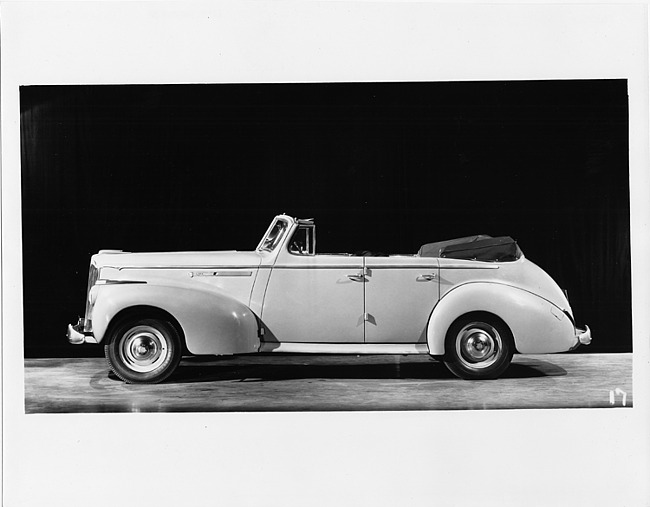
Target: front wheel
(478, 347)
(143, 351)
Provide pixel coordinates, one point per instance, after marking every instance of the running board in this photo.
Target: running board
(345, 348)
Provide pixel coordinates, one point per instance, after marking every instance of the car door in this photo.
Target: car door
(315, 299)
(400, 293)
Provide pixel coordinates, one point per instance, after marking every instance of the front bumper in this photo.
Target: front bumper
(76, 334)
(583, 337)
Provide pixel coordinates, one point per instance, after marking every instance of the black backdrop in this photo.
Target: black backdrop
(381, 166)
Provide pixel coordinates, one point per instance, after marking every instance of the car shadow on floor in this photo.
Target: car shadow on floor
(533, 368)
(198, 370)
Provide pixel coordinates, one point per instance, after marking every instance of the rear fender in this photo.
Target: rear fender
(537, 325)
(212, 322)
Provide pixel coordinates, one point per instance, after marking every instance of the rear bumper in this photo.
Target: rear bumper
(76, 334)
(583, 337)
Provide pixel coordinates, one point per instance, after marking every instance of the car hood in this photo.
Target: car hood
(118, 259)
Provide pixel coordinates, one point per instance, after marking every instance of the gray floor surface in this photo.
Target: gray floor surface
(276, 382)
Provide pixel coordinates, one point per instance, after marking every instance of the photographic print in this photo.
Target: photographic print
(402, 267)
(324, 253)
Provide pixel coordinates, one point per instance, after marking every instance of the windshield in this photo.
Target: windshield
(274, 236)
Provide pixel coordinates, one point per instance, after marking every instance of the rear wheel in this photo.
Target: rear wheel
(478, 346)
(143, 351)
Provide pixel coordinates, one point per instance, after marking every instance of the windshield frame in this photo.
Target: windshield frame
(272, 239)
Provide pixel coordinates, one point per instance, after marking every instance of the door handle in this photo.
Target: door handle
(357, 278)
(427, 278)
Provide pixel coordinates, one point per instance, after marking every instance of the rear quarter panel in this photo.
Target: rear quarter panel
(521, 294)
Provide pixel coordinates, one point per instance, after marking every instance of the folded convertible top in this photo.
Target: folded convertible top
(479, 248)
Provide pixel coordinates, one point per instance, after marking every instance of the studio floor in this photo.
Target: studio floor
(329, 382)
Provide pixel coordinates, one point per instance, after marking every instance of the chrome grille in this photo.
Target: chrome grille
(93, 273)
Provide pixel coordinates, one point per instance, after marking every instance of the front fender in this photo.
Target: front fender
(537, 326)
(212, 322)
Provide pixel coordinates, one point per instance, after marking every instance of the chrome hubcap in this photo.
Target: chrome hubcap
(143, 349)
(478, 345)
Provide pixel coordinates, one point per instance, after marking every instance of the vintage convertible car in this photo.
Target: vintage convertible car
(471, 302)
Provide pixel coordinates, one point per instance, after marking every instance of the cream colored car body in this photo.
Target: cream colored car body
(280, 298)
